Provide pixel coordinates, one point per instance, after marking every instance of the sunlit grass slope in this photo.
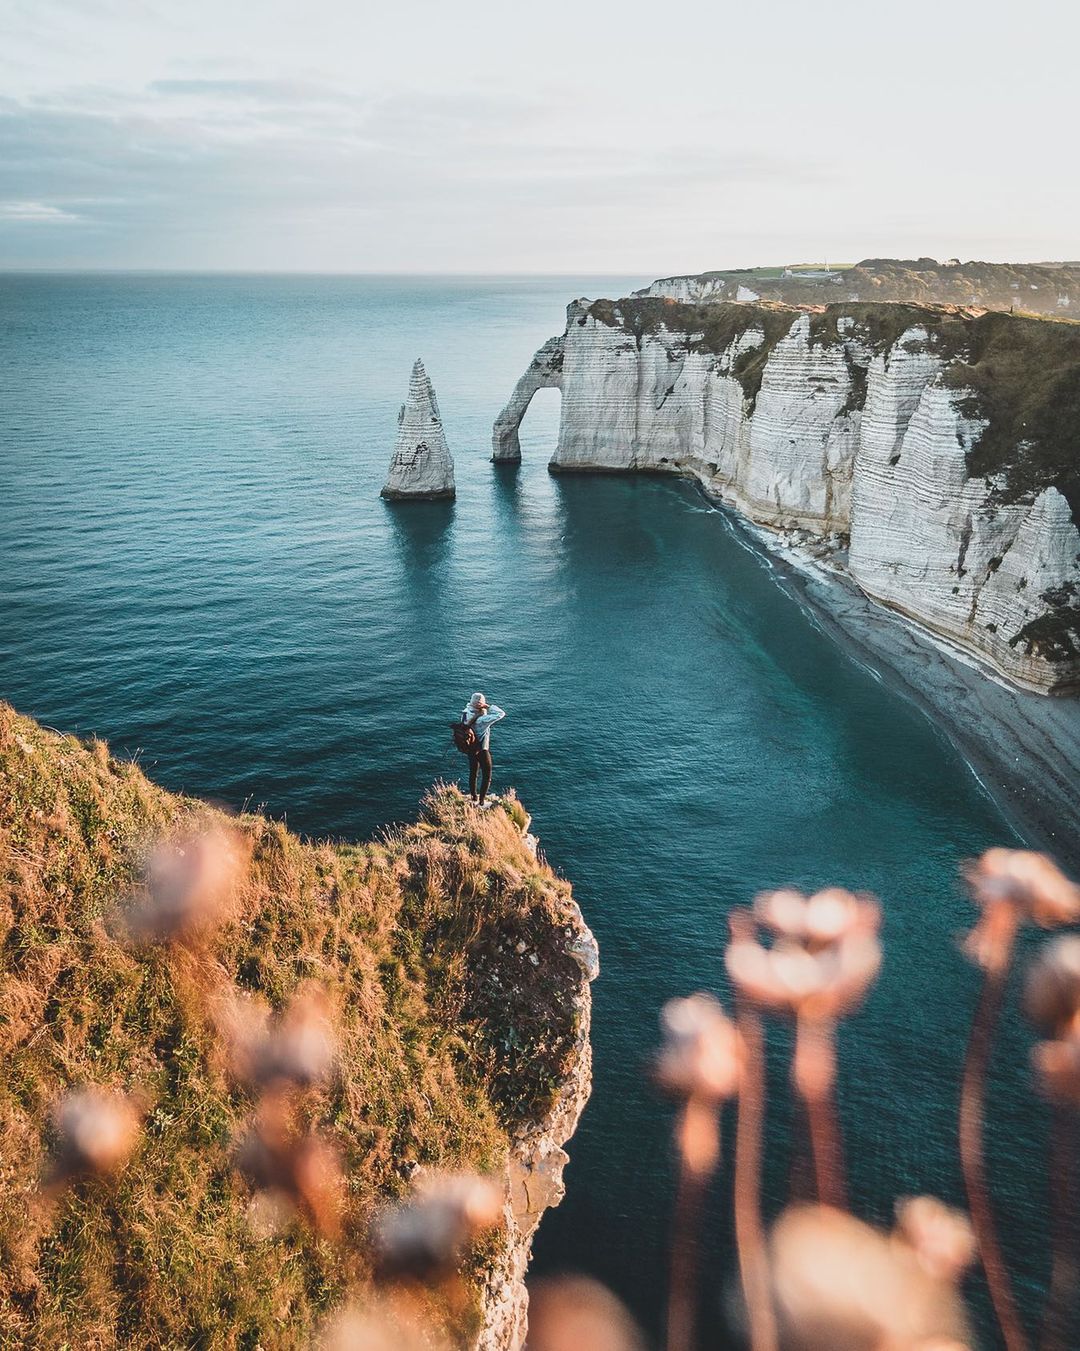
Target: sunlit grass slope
(438, 1061)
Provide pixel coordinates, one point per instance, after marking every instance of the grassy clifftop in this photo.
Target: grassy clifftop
(448, 1040)
(1044, 288)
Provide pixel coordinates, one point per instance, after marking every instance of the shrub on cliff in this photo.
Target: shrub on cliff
(404, 934)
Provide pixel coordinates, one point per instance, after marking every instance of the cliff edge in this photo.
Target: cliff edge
(458, 968)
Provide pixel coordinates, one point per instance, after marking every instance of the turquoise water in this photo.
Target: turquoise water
(197, 566)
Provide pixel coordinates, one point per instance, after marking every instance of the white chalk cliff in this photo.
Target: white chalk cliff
(422, 468)
(834, 425)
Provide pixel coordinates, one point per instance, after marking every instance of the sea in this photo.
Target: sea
(195, 564)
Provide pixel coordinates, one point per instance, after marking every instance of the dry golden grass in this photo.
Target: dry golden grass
(445, 1045)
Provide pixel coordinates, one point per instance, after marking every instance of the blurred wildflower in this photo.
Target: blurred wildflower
(818, 920)
(941, 1238)
(297, 1049)
(380, 1326)
(839, 1285)
(96, 1132)
(1011, 885)
(825, 957)
(189, 882)
(1028, 880)
(700, 1065)
(300, 1170)
(1057, 1070)
(700, 1055)
(825, 960)
(1052, 989)
(749, 1228)
(425, 1236)
(574, 1313)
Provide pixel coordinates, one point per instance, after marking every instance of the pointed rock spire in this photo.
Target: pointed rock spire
(422, 467)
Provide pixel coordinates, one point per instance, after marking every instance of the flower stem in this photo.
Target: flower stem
(972, 1098)
(1064, 1270)
(814, 1073)
(749, 1232)
(697, 1142)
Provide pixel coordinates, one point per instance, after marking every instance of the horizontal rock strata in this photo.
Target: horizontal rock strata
(422, 468)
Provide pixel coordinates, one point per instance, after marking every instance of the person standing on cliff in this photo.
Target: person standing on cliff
(481, 717)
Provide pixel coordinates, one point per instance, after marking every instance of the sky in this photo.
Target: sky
(571, 136)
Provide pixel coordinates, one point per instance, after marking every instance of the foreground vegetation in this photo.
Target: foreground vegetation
(438, 1061)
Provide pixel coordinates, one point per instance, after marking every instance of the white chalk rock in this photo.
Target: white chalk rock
(837, 440)
(422, 468)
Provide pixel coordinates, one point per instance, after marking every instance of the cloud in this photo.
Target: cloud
(36, 212)
(260, 90)
(238, 173)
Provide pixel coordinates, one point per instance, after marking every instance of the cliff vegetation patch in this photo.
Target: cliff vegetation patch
(1024, 377)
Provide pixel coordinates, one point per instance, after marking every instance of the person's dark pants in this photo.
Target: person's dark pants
(480, 760)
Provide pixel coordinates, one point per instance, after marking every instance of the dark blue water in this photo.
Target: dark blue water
(197, 566)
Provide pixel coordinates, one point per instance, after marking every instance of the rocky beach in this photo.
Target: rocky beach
(1023, 747)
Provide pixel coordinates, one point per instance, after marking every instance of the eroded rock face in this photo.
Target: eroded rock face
(535, 1173)
(928, 540)
(534, 1177)
(422, 468)
(843, 434)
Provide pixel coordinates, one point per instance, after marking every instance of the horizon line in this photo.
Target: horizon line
(16, 271)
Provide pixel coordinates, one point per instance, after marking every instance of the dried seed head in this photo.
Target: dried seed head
(835, 914)
(574, 1313)
(1057, 1069)
(1052, 990)
(990, 942)
(941, 1238)
(783, 912)
(425, 1236)
(298, 1049)
(701, 1055)
(303, 1170)
(380, 1326)
(1030, 882)
(787, 978)
(839, 1283)
(817, 921)
(190, 882)
(96, 1132)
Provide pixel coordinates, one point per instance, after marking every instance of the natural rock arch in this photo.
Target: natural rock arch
(544, 372)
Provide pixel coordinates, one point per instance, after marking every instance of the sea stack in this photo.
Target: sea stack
(422, 469)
